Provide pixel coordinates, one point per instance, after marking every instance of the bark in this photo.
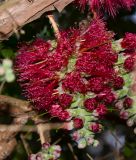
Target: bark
(14, 14)
(6, 148)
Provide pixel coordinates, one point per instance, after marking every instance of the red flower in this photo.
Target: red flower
(128, 102)
(90, 104)
(64, 115)
(82, 61)
(65, 100)
(55, 110)
(95, 127)
(78, 123)
(74, 83)
(95, 35)
(129, 41)
(101, 110)
(110, 6)
(106, 96)
(118, 82)
(129, 64)
(96, 84)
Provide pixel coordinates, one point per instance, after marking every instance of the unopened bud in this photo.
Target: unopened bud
(82, 143)
(96, 143)
(130, 122)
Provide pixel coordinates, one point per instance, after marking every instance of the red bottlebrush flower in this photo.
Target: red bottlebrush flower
(128, 102)
(78, 123)
(95, 35)
(98, 62)
(129, 41)
(90, 104)
(118, 82)
(44, 71)
(74, 83)
(110, 6)
(129, 64)
(95, 127)
(96, 84)
(41, 46)
(101, 110)
(37, 70)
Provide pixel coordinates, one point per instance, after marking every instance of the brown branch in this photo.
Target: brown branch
(30, 128)
(24, 112)
(6, 148)
(23, 105)
(23, 12)
(25, 144)
(6, 133)
(72, 151)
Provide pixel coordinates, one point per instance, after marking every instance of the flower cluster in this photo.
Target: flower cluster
(79, 79)
(111, 6)
(48, 152)
(126, 103)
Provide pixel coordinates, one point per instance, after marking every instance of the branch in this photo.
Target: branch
(16, 13)
(22, 105)
(6, 148)
(30, 128)
(54, 25)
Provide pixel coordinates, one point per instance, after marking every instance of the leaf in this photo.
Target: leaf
(128, 152)
(7, 53)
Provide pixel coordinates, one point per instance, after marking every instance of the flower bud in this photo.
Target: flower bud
(96, 143)
(90, 141)
(130, 122)
(82, 143)
(76, 136)
(78, 123)
(124, 115)
(95, 127)
(119, 105)
(46, 145)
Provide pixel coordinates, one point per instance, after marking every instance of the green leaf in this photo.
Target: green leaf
(122, 92)
(7, 53)
(128, 152)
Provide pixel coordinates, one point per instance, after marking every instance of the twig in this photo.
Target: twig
(72, 151)
(54, 25)
(116, 138)
(2, 86)
(6, 148)
(89, 156)
(14, 102)
(57, 141)
(26, 146)
(30, 128)
(6, 133)
(106, 156)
